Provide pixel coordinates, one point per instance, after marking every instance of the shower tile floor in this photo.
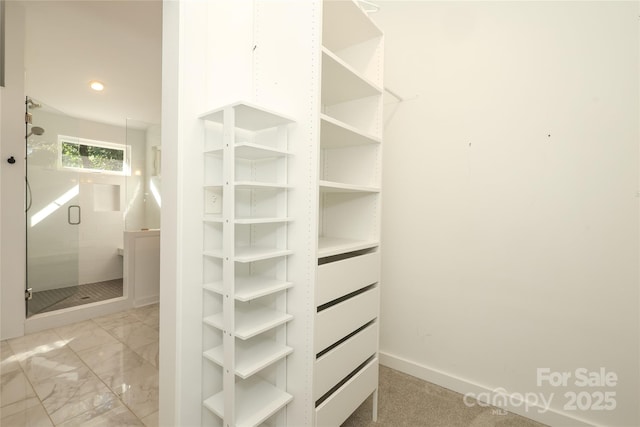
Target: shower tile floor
(100, 372)
(71, 296)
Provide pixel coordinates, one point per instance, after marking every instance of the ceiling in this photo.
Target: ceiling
(70, 43)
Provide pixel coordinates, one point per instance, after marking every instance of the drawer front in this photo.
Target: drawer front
(338, 321)
(336, 364)
(337, 408)
(339, 278)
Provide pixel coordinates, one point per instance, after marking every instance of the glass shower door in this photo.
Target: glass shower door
(53, 211)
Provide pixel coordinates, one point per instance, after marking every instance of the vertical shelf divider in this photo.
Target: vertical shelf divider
(228, 263)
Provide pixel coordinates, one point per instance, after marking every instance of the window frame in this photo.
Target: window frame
(126, 160)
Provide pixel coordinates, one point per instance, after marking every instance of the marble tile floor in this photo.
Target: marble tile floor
(104, 372)
(100, 372)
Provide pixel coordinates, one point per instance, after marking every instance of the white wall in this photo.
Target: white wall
(143, 209)
(142, 265)
(171, 391)
(153, 183)
(510, 219)
(12, 177)
(134, 211)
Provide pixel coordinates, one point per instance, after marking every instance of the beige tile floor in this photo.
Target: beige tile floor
(98, 372)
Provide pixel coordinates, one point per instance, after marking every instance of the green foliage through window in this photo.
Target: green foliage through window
(91, 157)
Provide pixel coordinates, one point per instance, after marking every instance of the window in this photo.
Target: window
(86, 155)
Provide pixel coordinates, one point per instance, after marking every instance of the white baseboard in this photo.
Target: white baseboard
(460, 385)
(141, 302)
(66, 316)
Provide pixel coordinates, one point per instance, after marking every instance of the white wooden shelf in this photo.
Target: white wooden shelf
(250, 253)
(258, 253)
(339, 187)
(329, 246)
(248, 116)
(250, 288)
(213, 253)
(341, 83)
(216, 218)
(337, 134)
(216, 287)
(256, 184)
(248, 185)
(251, 357)
(261, 220)
(346, 24)
(256, 400)
(250, 321)
(251, 151)
(213, 152)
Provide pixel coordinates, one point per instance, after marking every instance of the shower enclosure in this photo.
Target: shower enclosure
(75, 195)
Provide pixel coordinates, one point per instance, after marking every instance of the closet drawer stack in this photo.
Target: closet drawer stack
(350, 151)
(346, 335)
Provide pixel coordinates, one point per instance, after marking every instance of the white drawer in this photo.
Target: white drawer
(336, 364)
(338, 321)
(339, 278)
(337, 408)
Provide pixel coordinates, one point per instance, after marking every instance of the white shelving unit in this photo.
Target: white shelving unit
(278, 244)
(245, 233)
(259, 401)
(350, 151)
(251, 358)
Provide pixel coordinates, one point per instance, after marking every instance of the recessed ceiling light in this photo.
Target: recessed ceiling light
(96, 85)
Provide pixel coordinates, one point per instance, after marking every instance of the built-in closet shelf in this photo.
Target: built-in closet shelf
(249, 288)
(260, 329)
(256, 401)
(329, 246)
(252, 151)
(247, 221)
(248, 185)
(271, 220)
(250, 320)
(212, 218)
(245, 216)
(254, 184)
(341, 83)
(250, 253)
(339, 187)
(346, 24)
(251, 357)
(336, 134)
(248, 116)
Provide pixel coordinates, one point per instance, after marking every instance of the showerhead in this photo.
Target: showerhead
(32, 104)
(36, 130)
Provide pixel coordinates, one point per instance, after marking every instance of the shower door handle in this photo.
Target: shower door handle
(69, 220)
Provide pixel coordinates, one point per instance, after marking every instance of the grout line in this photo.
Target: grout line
(132, 312)
(31, 383)
(131, 349)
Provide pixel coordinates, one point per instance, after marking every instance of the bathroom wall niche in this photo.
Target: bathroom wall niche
(106, 198)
